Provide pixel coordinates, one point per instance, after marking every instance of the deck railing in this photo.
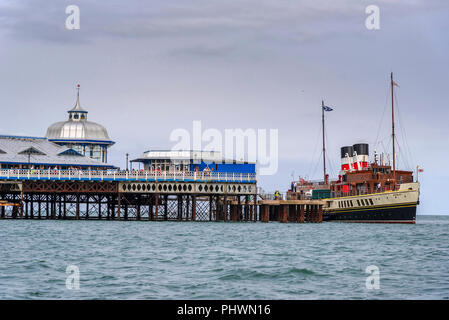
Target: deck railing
(114, 175)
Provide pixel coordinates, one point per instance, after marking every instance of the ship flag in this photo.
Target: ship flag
(326, 108)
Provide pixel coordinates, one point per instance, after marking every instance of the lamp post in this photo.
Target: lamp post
(127, 155)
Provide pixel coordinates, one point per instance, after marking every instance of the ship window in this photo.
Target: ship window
(339, 204)
(371, 201)
(358, 203)
(352, 204)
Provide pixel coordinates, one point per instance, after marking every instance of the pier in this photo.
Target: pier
(145, 196)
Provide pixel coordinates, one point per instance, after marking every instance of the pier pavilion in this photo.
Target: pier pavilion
(86, 137)
(33, 153)
(192, 161)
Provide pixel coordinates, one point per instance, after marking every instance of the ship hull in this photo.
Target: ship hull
(397, 214)
(386, 207)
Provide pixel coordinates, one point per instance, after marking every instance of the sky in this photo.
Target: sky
(149, 67)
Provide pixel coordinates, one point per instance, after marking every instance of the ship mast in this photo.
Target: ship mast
(392, 131)
(324, 143)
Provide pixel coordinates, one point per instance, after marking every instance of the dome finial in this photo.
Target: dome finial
(81, 113)
(78, 96)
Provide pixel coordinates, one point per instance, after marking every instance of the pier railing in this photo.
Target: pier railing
(113, 175)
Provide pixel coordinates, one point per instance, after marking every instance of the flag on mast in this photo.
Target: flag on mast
(326, 108)
(396, 84)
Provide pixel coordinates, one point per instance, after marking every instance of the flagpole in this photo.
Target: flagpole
(324, 143)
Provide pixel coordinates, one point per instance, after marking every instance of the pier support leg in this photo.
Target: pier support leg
(99, 207)
(150, 209)
(77, 209)
(301, 213)
(194, 207)
(225, 208)
(156, 206)
(165, 207)
(138, 208)
(39, 207)
(266, 213)
(65, 207)
(21, 205)
(180, 205)
(87, 207)
(283, 213)
(125, 208)
(119, 205)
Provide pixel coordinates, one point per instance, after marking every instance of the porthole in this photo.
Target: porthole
(134, 187)
(139, 187)
(169, 187)
(175, 187)
(190, 187)
(184, 187)
(216, 188)
(206, 188)
(124, 187)
(200, 188)
(165, 187)
(239, 188)
(160, 187)
(153, 187)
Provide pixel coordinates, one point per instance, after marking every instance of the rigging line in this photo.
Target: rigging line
(406, 164)
(330, 160)
(407, 151)
(314, 150)
(386, 150)
(316, 165)
(381, 118)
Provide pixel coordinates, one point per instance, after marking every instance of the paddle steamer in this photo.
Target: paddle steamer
(365, 191)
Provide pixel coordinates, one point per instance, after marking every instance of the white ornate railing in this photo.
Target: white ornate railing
(113, 175)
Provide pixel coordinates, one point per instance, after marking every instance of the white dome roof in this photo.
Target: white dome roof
(77, 127)
(77, 130)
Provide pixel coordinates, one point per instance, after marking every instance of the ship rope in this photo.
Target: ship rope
(330, 159)
(309, 172)
(407, 155)
(381, 120)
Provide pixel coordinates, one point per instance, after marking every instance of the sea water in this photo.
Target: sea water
(50, 259)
